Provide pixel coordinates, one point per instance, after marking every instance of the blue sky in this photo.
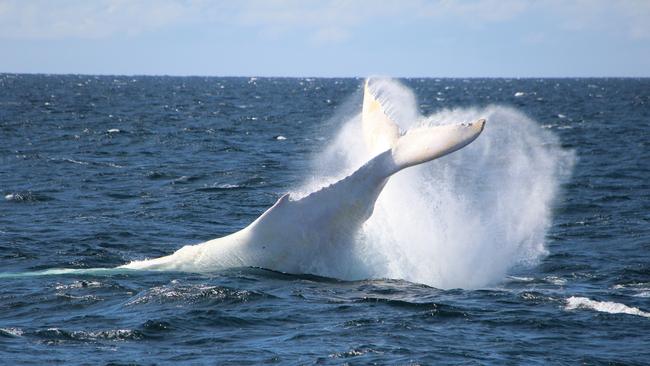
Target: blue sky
(402, 38)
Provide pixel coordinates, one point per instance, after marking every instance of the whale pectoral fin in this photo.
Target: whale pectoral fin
(422, 144)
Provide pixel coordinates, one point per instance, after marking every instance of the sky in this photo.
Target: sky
(327, 38)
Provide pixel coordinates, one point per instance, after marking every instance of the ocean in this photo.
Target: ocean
(529, 246)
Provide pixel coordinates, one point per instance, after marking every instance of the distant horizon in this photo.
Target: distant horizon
(320, 77)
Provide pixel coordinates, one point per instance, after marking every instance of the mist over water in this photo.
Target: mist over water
(461, 221)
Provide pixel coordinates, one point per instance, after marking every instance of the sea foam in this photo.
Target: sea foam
(610, 307)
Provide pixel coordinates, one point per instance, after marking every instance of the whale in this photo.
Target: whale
(302, 235)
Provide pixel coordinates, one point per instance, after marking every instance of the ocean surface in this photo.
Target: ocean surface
(530, 246)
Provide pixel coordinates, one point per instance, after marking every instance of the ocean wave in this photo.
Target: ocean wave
(27, 196)
(432, 308)
(610, 307)
(219, 187)
(188, 294)
(78, 284)
(57, 335)
(11, 332)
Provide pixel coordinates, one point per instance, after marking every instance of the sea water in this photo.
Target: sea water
(528, 246)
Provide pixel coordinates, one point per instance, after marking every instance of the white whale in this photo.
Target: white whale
(289, 235)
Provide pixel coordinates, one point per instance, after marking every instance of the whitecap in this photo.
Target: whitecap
(112, 334)
(522, 279)
(610, 307)
(176, 292)
(556, 280)
(181, 179)
(225, 186)
(639, 289)
(77, 285)
(519, 94)
(75, 161)
(14, 332)
(26, 196)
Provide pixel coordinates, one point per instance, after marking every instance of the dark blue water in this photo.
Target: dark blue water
(100, 171)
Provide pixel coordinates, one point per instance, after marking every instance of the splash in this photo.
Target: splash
(463, 220)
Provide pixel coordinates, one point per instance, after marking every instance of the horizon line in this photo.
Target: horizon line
(316, 77)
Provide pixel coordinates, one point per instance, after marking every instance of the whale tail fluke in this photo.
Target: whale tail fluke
(416, 145)
(380, 132)
(419, 145)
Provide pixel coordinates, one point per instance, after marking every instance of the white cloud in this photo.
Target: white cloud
(629, 18)
(638, 14)
(38, 19)
(320, 21)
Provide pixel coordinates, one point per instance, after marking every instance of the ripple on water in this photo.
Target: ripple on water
(27, 196)
(188, 294)
(11, 332)
(58, 335)
(432, 308)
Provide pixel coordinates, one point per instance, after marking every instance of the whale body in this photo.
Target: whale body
(300, 235)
